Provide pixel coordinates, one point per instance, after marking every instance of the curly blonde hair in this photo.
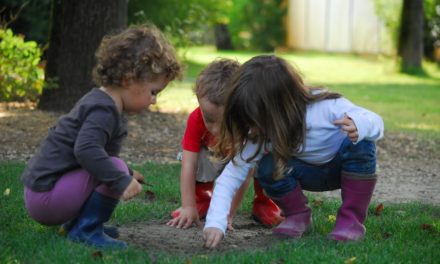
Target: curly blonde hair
(140, 52)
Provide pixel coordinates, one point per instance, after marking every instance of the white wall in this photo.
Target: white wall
(336, 26)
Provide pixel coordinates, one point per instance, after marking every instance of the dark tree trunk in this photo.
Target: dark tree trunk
(222, 37)
(410, 46)
(77, 27)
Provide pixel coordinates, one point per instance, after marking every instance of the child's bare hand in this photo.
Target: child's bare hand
(188, 216)
(133, 189)
(212, 237)
(348, 126)
(139, 177)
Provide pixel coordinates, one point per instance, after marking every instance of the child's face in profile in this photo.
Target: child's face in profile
(138, 95)
(212, 115)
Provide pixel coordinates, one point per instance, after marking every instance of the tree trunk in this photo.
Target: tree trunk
(410, 47)
(222, 37)
(77, 27)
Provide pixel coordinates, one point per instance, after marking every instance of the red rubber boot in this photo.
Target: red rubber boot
(264, 210)
(356, 195)
(203, 198)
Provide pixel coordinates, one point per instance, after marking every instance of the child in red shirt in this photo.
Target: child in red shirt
(198, 170)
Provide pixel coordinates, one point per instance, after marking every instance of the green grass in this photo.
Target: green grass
(406, 103)
(396, 236)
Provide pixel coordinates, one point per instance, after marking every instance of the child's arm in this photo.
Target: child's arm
(237, 200)
(231, 178)
(188, 214)
(358, 122)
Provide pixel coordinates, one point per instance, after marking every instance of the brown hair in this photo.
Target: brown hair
(214, 78)
(140, 52)
(266, 103)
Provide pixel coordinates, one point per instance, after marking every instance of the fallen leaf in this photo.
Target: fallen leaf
(62, 231)
(386, 235)
(379, 209)
(318, 203)
(97, 254)
(331, 218)
(427, 227)
(350, 260)
(7, 192)
(150, 196)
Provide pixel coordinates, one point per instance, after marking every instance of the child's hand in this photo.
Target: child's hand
(133, 189)
(212, 237)
(139, 177)
(188, 216)
(348, 126)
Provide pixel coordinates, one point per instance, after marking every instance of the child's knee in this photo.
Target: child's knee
(265, 169)
(360, 158)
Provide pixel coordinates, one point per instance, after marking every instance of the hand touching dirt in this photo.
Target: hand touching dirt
(348, 126)
(188, 216)
(212, 237)
(133, 189)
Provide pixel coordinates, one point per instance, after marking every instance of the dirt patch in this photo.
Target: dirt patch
(157, 237)
(408, 170)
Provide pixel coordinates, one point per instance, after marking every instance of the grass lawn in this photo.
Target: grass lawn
(402, 233)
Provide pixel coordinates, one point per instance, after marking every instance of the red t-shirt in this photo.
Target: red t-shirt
(196, 135)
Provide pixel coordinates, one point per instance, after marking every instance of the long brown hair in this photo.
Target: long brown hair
(266, 103)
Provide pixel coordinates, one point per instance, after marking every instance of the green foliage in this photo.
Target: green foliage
(257, 24)
(185, 22)
(27, 17)
(431, 34)
(21, 77)
(390, 12)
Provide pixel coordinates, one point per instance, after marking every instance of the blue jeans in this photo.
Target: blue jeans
(358, 161)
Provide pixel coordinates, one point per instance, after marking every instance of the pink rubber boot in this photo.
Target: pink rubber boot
(356, 195)
(298, 215)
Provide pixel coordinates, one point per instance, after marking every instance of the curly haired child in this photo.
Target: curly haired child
(300, 137)
(76, 178)
(198, 169)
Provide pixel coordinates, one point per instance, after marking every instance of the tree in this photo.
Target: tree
(77, 27)
(410, 45)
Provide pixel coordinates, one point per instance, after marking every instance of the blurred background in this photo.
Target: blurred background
(383, 54)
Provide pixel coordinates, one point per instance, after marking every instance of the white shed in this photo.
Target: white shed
(336, 26)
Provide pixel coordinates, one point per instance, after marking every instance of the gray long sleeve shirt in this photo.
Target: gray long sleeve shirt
(86, 137)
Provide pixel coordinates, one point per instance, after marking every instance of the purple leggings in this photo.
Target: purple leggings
(63, 203)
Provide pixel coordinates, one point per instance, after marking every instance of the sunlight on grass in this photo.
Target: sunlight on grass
(434, 127)
(405, 102)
